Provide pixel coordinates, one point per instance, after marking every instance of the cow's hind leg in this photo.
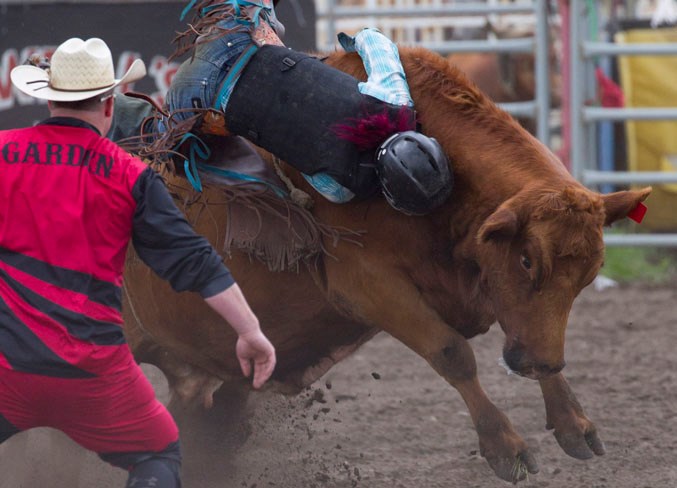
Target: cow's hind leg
(574, 432)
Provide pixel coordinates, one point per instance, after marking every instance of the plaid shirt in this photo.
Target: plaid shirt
(385, 76)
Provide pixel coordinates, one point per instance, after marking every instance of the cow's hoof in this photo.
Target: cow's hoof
(514, 469)
(580, 445)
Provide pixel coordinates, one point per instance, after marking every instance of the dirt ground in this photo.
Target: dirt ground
(383, 419)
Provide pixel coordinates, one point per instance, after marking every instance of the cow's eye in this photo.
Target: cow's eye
(525, 262)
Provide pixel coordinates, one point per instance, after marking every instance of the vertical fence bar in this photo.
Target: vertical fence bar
(588, 63)
(576, 90)
(565, 153)
(541, 65)
(331, 23)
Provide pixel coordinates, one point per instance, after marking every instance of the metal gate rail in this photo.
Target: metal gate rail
(583, 119)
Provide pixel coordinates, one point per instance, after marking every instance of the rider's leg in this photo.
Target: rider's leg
(385, 80)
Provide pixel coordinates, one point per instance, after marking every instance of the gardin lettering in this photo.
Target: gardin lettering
(57, 154)
(31, 154)
(10, 152)
(53, 154)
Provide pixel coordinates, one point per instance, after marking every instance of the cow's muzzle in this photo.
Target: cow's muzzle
(519, 361)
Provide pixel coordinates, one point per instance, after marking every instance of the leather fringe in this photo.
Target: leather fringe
(271, 230)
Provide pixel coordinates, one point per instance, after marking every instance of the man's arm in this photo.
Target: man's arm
(166, 242)
(252, 345)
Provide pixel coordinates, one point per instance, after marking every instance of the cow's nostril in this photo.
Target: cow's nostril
(514, 358)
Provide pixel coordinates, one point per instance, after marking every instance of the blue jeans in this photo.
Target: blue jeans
(198, 79)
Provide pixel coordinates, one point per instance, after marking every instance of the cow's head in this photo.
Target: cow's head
(537, 251)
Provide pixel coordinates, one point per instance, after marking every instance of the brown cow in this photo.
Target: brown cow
(515, 244)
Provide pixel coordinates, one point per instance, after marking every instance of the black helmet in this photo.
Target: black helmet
(414, 172)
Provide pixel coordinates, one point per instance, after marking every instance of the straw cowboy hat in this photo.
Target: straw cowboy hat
(79, 70)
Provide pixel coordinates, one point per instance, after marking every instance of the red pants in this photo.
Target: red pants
(117, 413)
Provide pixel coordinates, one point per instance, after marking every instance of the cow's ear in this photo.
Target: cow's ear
(500, 225)
(618, 205)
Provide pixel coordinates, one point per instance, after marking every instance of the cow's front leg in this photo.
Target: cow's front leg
(575, 433)
(396, 307)
(505, 450)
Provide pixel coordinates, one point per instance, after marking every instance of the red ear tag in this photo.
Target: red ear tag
(637, 214)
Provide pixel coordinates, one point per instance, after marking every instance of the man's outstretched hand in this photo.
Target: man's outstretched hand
(255, 348)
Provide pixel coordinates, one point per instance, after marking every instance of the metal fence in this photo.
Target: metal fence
(584, 118)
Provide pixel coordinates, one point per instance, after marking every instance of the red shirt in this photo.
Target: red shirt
(66, 213)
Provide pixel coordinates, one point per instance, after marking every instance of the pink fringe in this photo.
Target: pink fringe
(370, 131)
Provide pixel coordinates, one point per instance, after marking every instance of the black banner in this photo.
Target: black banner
(131, 29)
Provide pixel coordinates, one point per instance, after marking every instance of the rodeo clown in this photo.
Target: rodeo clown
(348, 138)
(70, 203)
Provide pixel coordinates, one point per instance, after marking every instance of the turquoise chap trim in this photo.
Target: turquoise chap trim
(228, 84)
(185, 11)
(261, 9)
(196, 149)
(198, 152)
